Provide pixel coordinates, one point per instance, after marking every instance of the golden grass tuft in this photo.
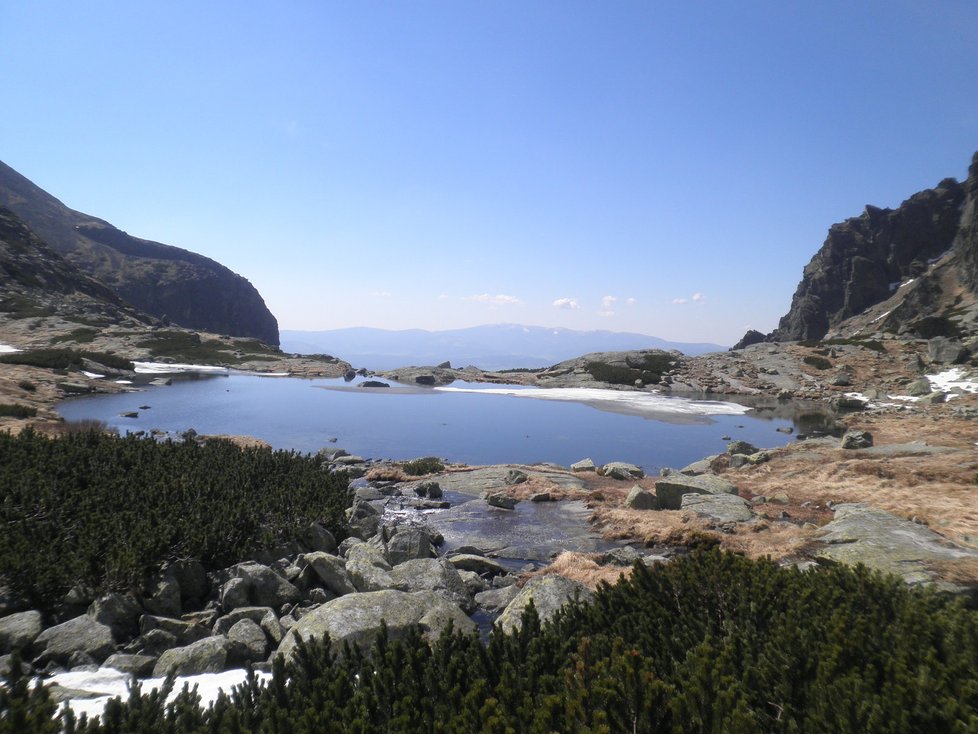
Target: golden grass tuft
(584, 568)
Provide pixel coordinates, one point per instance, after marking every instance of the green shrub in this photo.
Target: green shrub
(64, 359)
(709, 642)
(27, 386)
(81, 336)
(15, 410)
(426, 465)
(819, 363)
(103, 510)
(186, 346)
(648, 368)
(18, 306)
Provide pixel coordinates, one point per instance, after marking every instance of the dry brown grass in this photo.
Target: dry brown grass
(387, 474)
(584, 568)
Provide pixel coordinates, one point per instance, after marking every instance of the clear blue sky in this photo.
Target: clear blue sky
(661, 167)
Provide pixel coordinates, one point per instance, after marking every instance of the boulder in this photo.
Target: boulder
(356, 619)
(433, 574)
(368, 569)
(191, 577)
(495, 600)
(919, 387)
(273, 628)
(501, 500)
(140, 666)
(640, 499)
(670, 490)
(331, 571)
(583, 465)
(548, 594)
(163, 597)
(516, 476)
(317, 538)
(741, 447)
(429, 489)
(857, 440)
(81, 634)
(409, 542)
(703, 466)
(265, 587)
(183, 632)
(621, 470)
(479, 564)
(250, 640)
(119, 612)
(224, 624)
(942, 350)
(363, 519)
(19, 630)
(209, 655)
(720, 507)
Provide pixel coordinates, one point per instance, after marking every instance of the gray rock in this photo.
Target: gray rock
(363, 519)
(541, 497)
(640, 499)
(857, 440)
(273, 628)
(495, 600)
(548, 593)
(741, 447)
(163, 597)
(409, 542)
(368, 569)
(251, 640)
(934, 398)
(624, 556)
(429, 489)
(19, 630)
(703, 466)
(356, 619)
(81, 634)
(224, 624)
(621, 470)
(433, 574)
(942, 350)
(841, 380)
(719, 507)
(266, 588)
(317, 538)
(919, 387)
(479, 564)
(140, 666)
(191, 577)
(235, 593)
(209, 655)
(583, 465)
(331, 571)
(152, 643)
(183, 632)
(883, 542)
(119, 612)
(670, 490)
(501, 500)
(515, 476)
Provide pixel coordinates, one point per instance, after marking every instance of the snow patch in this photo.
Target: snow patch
(7, 349)
(109, 683)
(161, 368)
(953, 378)
(881, 317)
(92, 375)
(643, 402)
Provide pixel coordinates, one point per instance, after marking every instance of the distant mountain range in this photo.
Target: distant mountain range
(495, 347)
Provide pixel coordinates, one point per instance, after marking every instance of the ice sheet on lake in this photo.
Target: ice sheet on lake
(112, 683)
(633, 402)
(161, 368)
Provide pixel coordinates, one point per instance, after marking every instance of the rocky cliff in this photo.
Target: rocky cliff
(167, 282)
(909, 271)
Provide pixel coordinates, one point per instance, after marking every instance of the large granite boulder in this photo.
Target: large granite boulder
(317, 538)
(855, 439)
(367, 568)
(209, 655)
(331, 571)
(222, 625)
(640, 499)
(263, 587)
(184, 632)
(479, 564)
(881, 541)
(722, 508)
(250, 640)
(363, 519)
(119, 612)
(548, 594)
(357, 618)
(140, 666)
(670, 490)
(191, 577)
(942, 350)
(409, 542)
(19, 630)
(82, 634)
(621, 470)
(433, 574)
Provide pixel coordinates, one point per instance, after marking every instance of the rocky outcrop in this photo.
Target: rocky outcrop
(670, 490)
(548, 594)
(186, 288)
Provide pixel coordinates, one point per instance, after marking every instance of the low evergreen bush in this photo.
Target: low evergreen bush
(426, 465)
(63, 359)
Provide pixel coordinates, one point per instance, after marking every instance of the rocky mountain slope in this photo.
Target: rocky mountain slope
(910, 271)
(186, 288)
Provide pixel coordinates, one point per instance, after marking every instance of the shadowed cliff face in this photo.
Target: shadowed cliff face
(164, 281)
(865, 259)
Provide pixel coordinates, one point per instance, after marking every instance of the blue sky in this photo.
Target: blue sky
(661, 167)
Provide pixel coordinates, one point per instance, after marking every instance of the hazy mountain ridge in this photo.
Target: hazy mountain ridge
(188, 289)
(910, 271)
(492, 347)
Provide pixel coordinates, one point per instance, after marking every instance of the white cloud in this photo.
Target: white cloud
(381, 294)
(497, 300)
(699, 297)
(442, 296)
(566, 303)
(679, 301)
(608, 303)
(631, 301)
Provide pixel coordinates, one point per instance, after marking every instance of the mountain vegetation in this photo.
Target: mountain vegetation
(708, 643)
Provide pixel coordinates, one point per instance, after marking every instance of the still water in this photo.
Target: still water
(467, 423)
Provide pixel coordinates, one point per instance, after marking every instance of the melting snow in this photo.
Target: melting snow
(93, 375)
(6, 349)
(951, 379)
(643, 402)
(111, 683)
(161, 368)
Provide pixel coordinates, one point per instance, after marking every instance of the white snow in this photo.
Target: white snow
(880, 317)
(161, 368)
(953, 378)
(642, 402)
(123, 382)
(92, 375)
(6, 349)
(112, 683)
